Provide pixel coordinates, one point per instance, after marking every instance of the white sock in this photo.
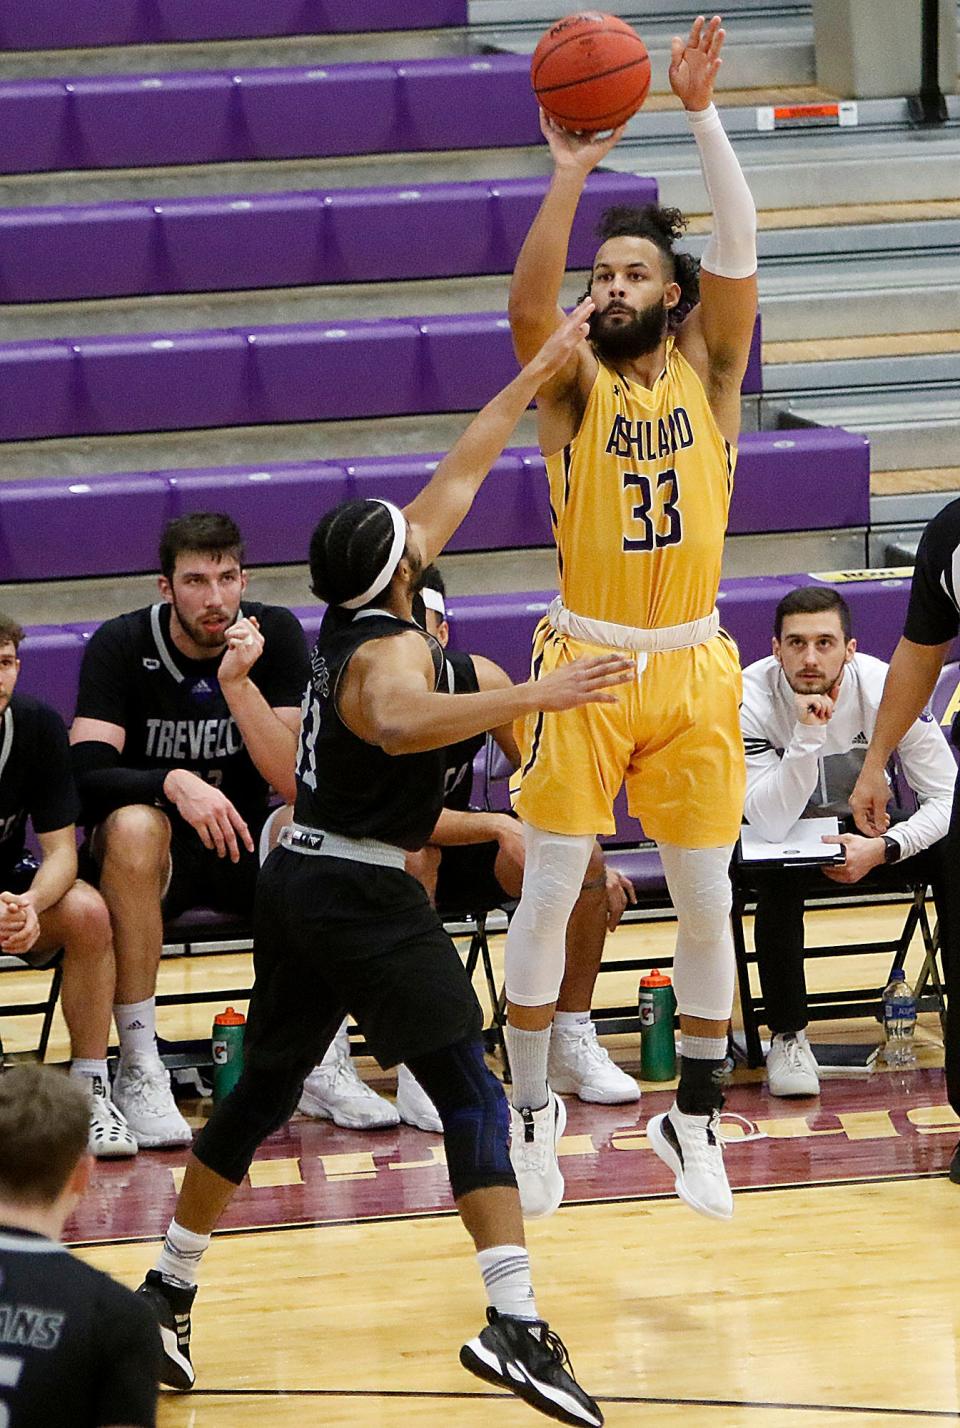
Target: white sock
(528, 1052)
(86, 1071)
(571, 1021)
(179, 1259)
(703, 1048)
(136, 1026)
(506, 1278)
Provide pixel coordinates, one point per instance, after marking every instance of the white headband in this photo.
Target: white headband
(434, 601)
(393, 560)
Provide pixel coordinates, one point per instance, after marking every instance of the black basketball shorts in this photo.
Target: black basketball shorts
(333, 936)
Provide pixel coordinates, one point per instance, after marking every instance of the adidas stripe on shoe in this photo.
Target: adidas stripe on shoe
(524, 1356)
(172, 1306)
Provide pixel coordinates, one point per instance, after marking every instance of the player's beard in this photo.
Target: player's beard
(626, 340)
(206, 639)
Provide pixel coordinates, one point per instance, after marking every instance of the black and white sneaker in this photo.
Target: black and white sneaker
(172, 1307)
(693, 1148)
(524, 1356)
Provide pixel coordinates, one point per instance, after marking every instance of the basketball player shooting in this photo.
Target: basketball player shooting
(639, 429)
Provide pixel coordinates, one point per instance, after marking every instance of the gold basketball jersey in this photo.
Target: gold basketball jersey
(639, 500)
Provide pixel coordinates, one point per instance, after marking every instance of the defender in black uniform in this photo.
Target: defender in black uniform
(932, 625)
(340, 925)
(187, 714)
(43, 906)
(76, 1349)
(474, 861)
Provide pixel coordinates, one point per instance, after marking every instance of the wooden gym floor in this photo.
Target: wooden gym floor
(342, 1285)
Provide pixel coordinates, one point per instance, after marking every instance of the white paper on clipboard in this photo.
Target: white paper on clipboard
(802, 844)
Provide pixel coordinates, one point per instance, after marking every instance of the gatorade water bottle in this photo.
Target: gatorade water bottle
(658, 1051)
(227, 1045)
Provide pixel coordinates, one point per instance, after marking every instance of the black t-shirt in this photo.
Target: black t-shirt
(933, 615)
(36, 779)
(460, 677)
(171, 707)
(344, 784)
(77, 1350)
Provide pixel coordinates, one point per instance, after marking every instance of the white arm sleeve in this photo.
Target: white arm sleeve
(731, 250)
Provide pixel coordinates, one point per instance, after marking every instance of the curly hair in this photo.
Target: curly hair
(663, 227)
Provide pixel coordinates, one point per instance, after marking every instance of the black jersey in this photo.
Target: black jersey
(36, 779)
(77, 1350)
(171, 707)
(344, 784)
(460, 676)
(933, 616)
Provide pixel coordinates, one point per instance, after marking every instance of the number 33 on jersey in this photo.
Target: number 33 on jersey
(639, 501)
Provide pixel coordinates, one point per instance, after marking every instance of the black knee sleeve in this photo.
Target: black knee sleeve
(255, 1108)
(476, 1119)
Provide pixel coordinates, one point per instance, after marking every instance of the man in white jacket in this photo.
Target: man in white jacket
(808, 716)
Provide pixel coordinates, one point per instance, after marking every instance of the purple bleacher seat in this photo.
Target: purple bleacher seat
(275, 508)
(186, 117)
(467, 102)
(228, 241)
(356, 369)
(57, 529)
(49, 24)
(813, 478)
(50, 666)
(220, 242)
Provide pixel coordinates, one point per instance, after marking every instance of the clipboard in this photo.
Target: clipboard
(801, 847)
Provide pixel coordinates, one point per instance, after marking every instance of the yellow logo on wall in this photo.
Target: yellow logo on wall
(848, 577)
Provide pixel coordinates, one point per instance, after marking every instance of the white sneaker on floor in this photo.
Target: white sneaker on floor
(580, 1066)
(142, 1094)
(334, 1092)
(533, 1153)
(110, 1136)
(792, 1068)
(414, 1105)
(691, 1146)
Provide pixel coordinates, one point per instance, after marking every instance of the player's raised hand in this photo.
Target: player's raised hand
(577, 151)
(562, 342)
(244, 648)
(694, 62)
(588, 680)
(209, 812)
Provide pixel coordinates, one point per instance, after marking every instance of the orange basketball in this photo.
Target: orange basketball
(590, 71)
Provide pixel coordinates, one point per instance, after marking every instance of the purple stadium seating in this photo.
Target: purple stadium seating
(286, 239)
(49, 24)
(780, 485)
(193, 117)
(227, 377)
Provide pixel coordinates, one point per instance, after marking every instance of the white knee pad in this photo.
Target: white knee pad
(699, 883)
(553, 872)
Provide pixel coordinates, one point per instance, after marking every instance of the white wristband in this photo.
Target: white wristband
(731, 250)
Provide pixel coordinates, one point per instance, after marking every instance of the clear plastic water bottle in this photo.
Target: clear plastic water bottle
(899, 1021)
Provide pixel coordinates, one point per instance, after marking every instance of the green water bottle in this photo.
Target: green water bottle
(227, 1046)
(658, 1051)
